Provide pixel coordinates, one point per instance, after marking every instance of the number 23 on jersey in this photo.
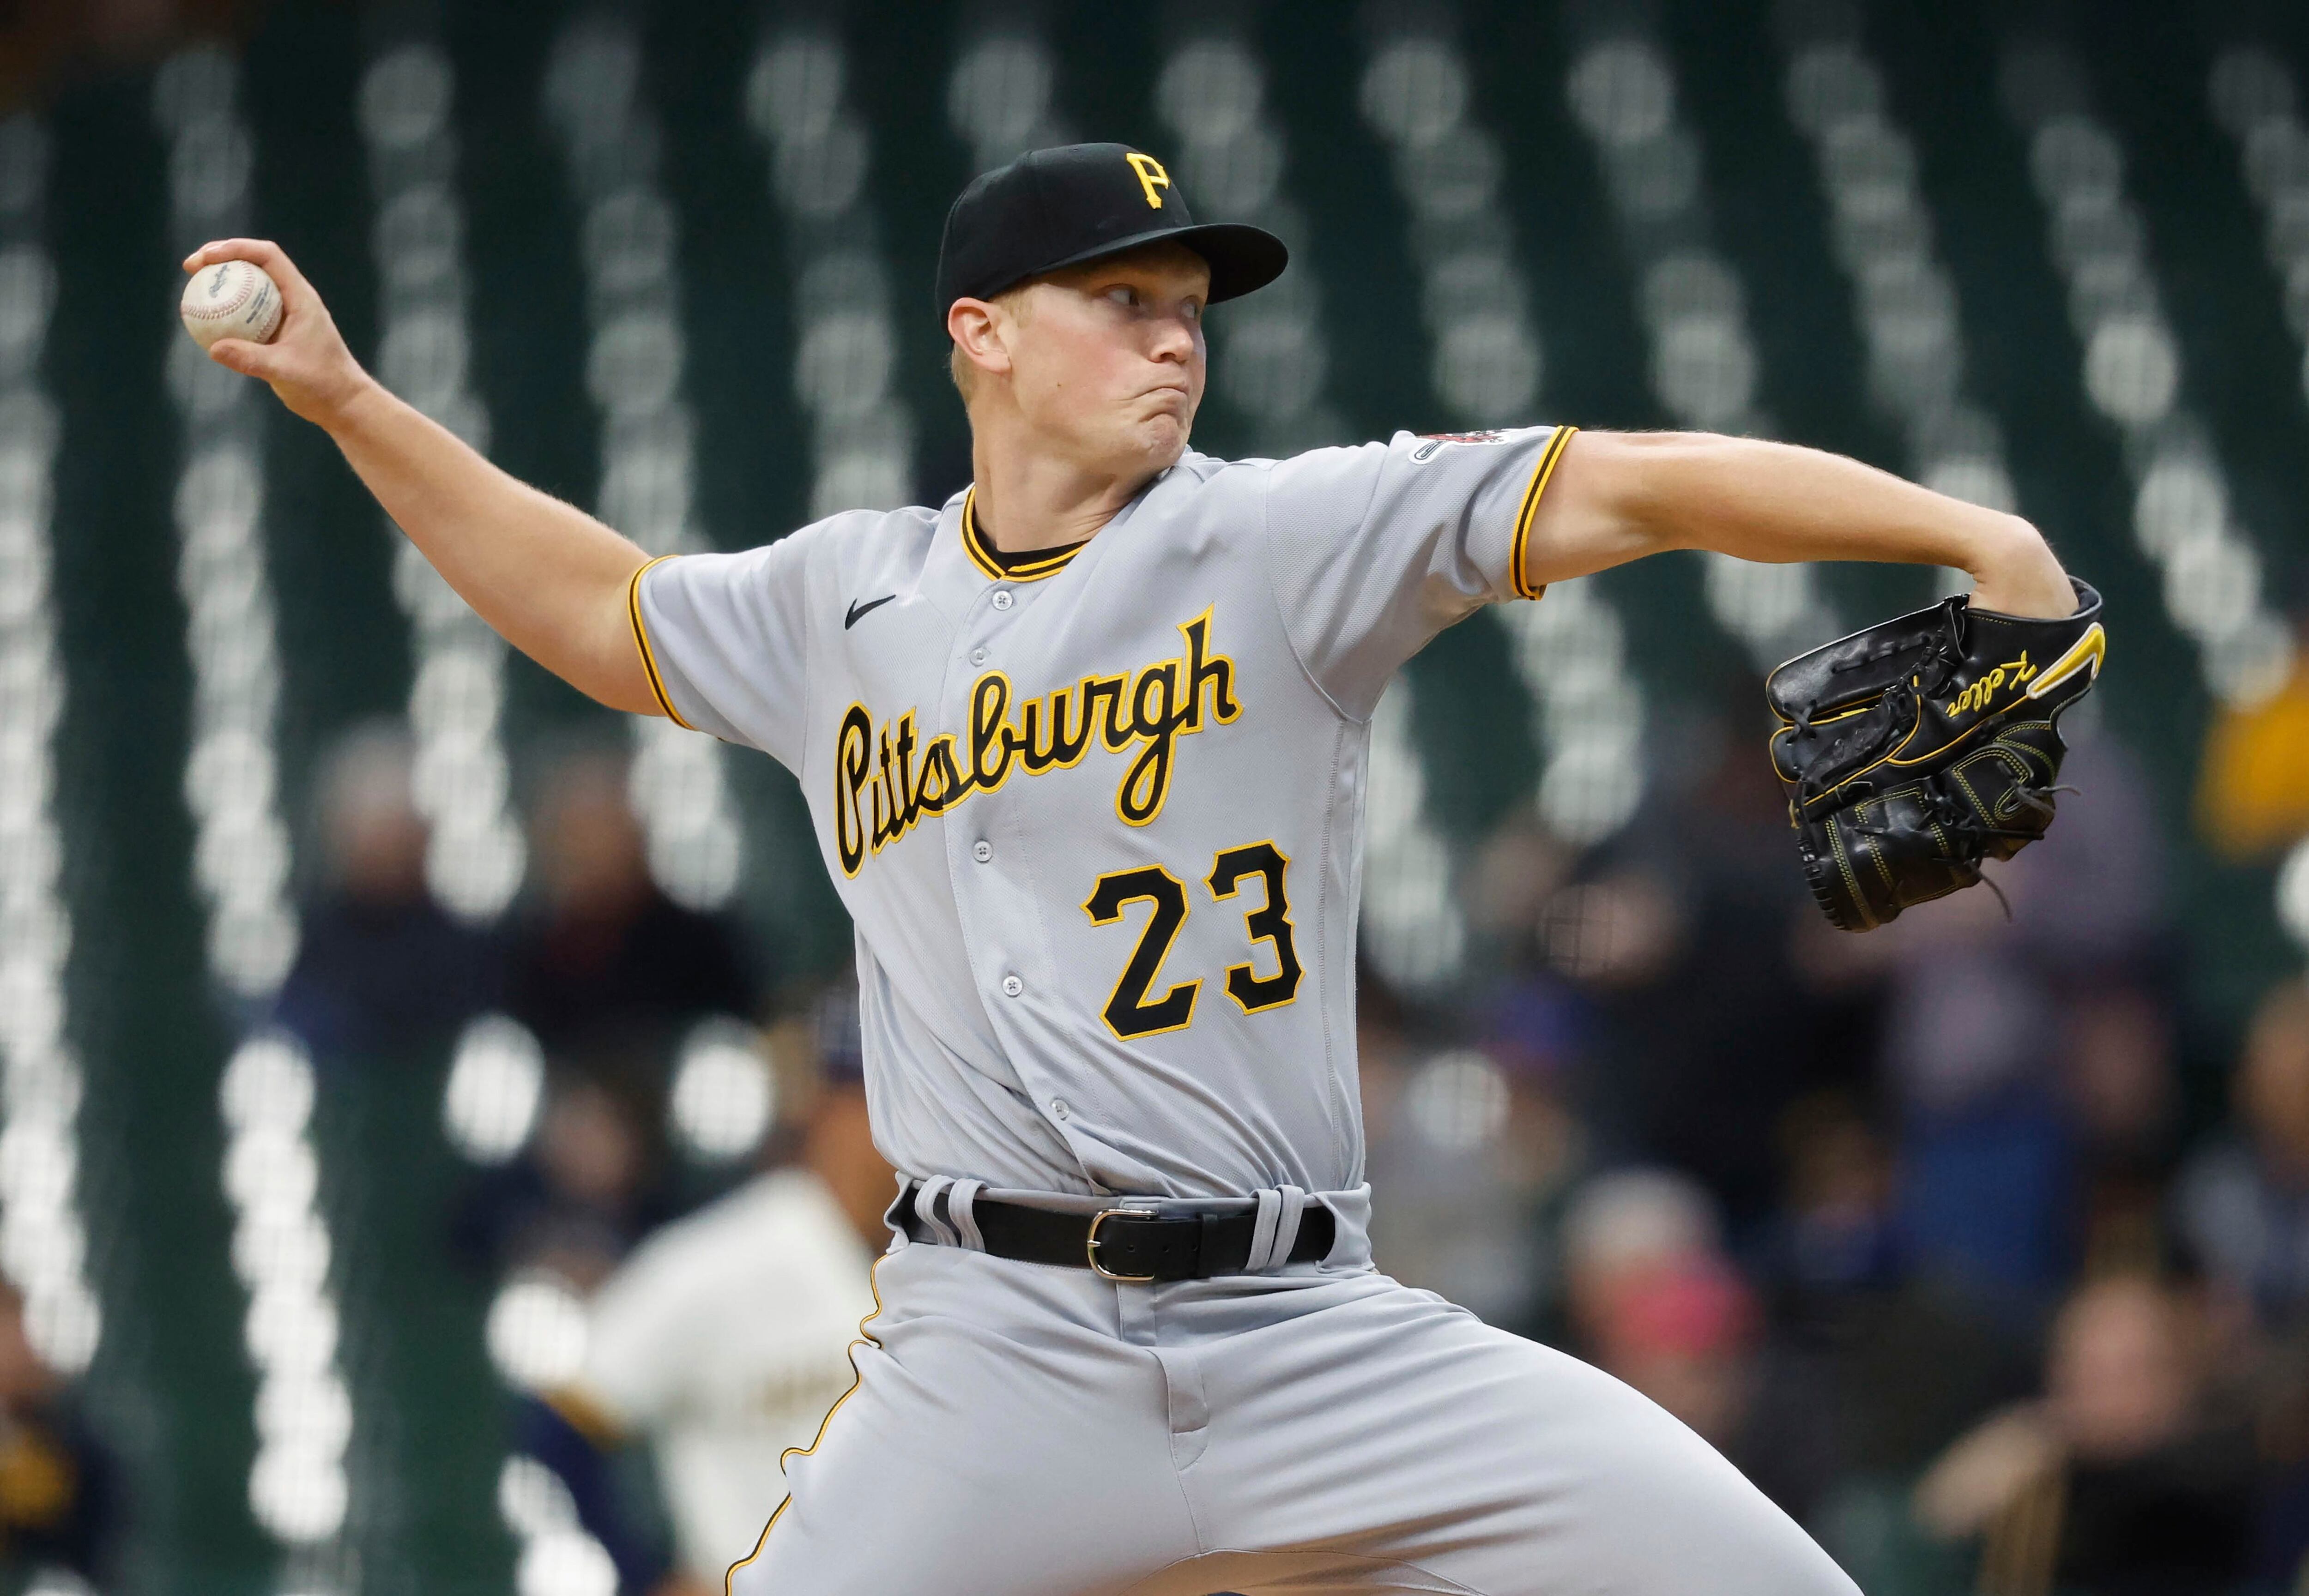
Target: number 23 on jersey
(1131, 1013)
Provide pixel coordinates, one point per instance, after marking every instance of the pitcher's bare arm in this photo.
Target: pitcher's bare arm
(553, 581)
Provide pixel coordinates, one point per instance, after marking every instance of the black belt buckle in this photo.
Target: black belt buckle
(1090, 1245)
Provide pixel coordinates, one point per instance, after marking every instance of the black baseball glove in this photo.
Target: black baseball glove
(1915, 749)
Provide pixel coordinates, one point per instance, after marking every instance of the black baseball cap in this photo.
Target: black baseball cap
(1080, 202)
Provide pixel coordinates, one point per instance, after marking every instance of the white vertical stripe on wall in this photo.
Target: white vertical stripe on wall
(475, 853)
(43, 1241)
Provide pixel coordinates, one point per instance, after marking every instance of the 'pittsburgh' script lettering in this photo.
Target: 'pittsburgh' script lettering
(883, 784)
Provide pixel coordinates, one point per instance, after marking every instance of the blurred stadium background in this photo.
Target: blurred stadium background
(364, 993)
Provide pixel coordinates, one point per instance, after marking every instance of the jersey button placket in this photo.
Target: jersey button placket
(991, 907)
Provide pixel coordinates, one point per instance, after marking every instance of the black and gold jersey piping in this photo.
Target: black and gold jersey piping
(1518, 567)
(982, 554)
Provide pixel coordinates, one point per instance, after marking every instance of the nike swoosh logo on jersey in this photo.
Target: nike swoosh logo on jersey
(858, 612)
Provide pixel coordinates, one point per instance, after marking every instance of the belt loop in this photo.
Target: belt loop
(900, 1210)
(926, 1209)
(1262, 1231)
(1291, 1208)
(962, 1207)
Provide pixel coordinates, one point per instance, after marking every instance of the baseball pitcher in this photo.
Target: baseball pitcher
(1086, 748)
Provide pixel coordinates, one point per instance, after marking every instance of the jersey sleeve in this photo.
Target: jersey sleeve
(1376, 549)
(725, 640)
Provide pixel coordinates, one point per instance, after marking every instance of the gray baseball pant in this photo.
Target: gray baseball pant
(1021, 1430)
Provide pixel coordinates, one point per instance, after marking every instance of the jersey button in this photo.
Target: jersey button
(1002, 599)
(981, 850)
(1012, 985)
(978, 656)
(1059, 1109)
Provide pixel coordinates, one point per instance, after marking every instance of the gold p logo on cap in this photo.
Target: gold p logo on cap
(1151, 176)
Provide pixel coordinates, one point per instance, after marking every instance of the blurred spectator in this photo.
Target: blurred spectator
(381, 968)
(2123, 1097)
(1623, 1229)
(2241, 1210)
(1653, 1300)
(1517, 869)
(1469, 1148)
(606, 970)
(2242, 1205)
(2252, 793)
(59, 1491)
(1682, 1332)
(1681, 937)
(2117, 1483)
(1837, 1232)
(1688, 1335)
(1981, 1052)
(722, 1342)
(1846, 1302)
(2117, 1057)
(582, 1193)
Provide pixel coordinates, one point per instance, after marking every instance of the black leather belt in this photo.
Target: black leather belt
(1136, 1246)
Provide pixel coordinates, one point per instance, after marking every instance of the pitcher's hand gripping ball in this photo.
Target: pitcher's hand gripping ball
(1915, 749)
(231, 299)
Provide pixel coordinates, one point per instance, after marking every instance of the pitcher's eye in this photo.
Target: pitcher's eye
(1194, 310)
(1124, 295)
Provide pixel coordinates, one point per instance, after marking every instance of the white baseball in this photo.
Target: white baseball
(231, 299)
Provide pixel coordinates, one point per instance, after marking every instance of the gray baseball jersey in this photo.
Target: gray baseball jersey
(1098, 819)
